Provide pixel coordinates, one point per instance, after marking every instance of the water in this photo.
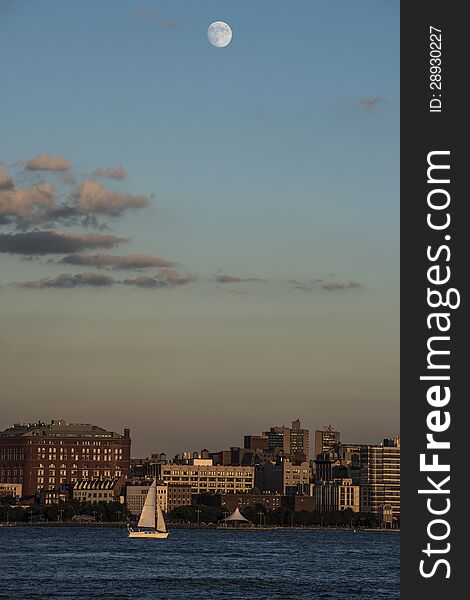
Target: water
(102, 564)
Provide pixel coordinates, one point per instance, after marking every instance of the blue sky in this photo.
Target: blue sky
(274, 158)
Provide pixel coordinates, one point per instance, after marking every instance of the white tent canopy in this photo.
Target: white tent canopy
(236, 516)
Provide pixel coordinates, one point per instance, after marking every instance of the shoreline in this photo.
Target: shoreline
(120, 525)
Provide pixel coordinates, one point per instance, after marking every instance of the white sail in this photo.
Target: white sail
(147, 516)
(160, 520)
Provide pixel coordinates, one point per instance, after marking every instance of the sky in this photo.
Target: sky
(196, 242)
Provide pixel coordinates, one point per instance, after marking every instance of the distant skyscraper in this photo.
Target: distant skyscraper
(279, 438)
(292, 441)
(299, 439)
(380, 477)
(326, 439)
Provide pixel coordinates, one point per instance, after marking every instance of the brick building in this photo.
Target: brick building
(299, 503)
(179, 494)
(325, 439)
(48, 455)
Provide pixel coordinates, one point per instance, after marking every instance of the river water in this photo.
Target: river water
(98, 564)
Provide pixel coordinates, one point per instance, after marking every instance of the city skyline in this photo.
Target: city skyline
(193, 235)
(53, 462)
(177, 450)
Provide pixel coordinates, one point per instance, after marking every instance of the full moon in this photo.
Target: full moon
(219, 34)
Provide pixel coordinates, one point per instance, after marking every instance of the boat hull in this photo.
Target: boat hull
(149, 534)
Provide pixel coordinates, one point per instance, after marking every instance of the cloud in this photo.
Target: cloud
(128, 261)
(155, 18)
(68, 281)
(55, 241)
(22, 203)
(38, 205)
(313, 284)
(369, 103)
(111, 173)
(45, 162)
(64, 214)
(170, 274)
(340, 286)
(92, 197)
(6, 182)
(68, 179)
(85, 205)
(167, 278)
(231, 291)
(300, 285)
(222, 278)
(99, 280)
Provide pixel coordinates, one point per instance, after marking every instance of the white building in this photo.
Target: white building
(380, 477)
(136, 494)
(98, 490)
(11, 489)
(203, 476)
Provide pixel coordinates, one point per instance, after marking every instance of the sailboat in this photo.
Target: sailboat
(151, 523)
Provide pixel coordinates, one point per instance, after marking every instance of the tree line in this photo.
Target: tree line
(64, 511)
(280, 517)
(193, 514)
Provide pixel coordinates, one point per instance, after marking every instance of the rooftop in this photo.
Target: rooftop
(96, 484)
(57, 428)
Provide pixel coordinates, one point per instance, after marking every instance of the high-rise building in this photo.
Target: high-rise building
(47, 456)
(291, 442)
(324, 466)
(299, 440)
(380, 477)
(325, 439)
(278, 439)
